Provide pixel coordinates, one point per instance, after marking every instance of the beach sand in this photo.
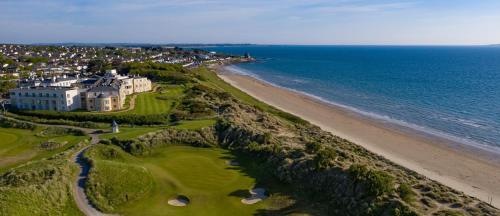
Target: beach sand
(473, 172)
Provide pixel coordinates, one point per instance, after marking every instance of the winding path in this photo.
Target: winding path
(81, 199)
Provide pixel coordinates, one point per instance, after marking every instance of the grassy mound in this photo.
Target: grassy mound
(39, 188)
(114, 179)
(202, 174)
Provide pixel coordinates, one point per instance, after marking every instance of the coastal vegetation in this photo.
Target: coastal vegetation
(39, 188)
(208, 124)
(42, 184)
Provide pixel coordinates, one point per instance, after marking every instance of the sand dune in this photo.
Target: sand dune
(471, 171)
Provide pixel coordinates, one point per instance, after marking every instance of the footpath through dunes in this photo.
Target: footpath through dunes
(80, 197)
(455, 167)
(78, 184)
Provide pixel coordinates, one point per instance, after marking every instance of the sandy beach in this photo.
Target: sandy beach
(473, 172)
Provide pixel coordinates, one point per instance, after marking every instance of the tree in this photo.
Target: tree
(5, 86)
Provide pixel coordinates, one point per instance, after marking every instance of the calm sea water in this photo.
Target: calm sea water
(452, 92)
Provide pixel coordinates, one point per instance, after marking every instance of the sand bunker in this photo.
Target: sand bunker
(179, 201)
(257, 195)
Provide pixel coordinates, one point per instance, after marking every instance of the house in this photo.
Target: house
(102, 99)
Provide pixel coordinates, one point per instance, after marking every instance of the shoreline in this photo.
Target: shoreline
(472, 171)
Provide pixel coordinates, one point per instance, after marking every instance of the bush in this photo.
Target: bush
(105, 118)
(377, 182)
(324, 159)
(312, 147)
(6, 123)
(406, 193)
(60, 131)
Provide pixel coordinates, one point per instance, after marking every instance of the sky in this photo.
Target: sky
(314, 22)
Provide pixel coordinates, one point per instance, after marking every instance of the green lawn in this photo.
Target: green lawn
(201, 174)
(20, 145)
(130, 132)
(150, 103)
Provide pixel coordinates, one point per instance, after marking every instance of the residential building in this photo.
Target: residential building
(46, 98)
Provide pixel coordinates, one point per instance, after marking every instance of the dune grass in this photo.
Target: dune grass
(211, 79)
(201, 174)
(21, 145)
(41, 187)
(195, 124)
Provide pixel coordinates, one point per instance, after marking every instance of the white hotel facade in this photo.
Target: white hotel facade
(46, 98)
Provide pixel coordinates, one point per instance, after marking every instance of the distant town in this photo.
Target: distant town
(82, 77)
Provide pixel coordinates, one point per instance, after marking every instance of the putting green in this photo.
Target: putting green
(201, 174)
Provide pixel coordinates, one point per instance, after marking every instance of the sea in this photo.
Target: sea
(451, 92)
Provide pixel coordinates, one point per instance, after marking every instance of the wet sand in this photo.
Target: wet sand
(472, 171)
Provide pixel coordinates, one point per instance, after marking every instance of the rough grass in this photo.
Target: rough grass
(195, 124)
(39, 188)
(21, 145)
(201, 174)
(211, 79)
(115, 180)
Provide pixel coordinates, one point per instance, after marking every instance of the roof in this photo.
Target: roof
(102, 89)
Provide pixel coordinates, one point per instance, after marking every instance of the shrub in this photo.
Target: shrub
(6, 123)
(324, 158)
(406, 193)
(312, 147)
(377, 182)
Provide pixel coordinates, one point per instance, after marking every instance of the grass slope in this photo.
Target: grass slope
(21, 145)
(42, 187)
(162, 102)
(130, 132)
(211, 79)
(202, 174)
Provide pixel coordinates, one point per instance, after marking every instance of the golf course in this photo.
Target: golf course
(21, 145)
(129, 185)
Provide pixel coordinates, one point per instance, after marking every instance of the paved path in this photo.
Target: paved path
(81, 199)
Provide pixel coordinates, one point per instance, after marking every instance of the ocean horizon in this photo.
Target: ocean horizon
(451, 92)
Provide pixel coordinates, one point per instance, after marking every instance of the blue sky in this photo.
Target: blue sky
(259, 21)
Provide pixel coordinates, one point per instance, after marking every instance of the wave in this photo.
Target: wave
(419, 129)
